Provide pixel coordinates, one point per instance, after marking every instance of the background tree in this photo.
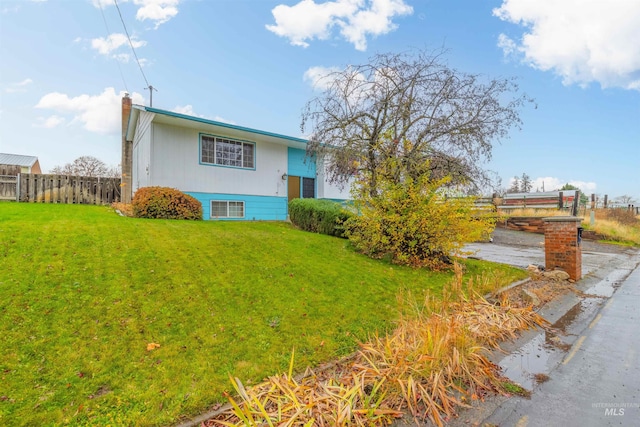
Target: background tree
(409, 114)
(525, 183)
(87, 166)
(515, 185)
(584, 199)
(624, 200)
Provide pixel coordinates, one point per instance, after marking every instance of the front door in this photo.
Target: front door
(293, 187)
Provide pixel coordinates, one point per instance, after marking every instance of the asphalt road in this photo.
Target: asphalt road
(598, 381)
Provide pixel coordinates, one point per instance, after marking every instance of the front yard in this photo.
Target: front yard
(121, 321)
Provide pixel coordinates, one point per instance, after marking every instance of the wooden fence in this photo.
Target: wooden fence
(544, 200)
(12, 170)
(8, 184)
(44, 188)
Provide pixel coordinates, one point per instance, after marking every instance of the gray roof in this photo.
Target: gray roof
(17, 159)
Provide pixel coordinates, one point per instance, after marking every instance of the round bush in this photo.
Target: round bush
(165, 203)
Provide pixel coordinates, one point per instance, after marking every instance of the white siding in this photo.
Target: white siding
(327, 190)
(142, 151)
(176, 163)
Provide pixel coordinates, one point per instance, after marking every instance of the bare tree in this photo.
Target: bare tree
(525, 183)
(515, 185)
(87, 166)
(114, 172)
(404, 115)
(624, 200)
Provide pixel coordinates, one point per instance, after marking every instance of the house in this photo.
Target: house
(235, 172)
(13, 164)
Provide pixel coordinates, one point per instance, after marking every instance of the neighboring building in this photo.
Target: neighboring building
(13, 164)
(235, 172)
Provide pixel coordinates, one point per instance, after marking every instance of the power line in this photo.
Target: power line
(108, 34)
(131, 44)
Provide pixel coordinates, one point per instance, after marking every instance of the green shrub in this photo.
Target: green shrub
(318, 216)
(165, 203)
(414, 224)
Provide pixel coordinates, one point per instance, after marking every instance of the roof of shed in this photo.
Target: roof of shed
(17, 159)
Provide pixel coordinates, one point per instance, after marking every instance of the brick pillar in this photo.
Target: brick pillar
(126, 164)
(561, 247)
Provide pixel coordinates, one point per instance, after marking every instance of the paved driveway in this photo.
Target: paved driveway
(521, 249)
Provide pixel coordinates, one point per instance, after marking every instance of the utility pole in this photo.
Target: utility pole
(150, 89)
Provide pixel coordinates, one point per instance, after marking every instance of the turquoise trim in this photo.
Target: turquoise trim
(298, 164)
(255, 152)
(256, 208)
(221, 124)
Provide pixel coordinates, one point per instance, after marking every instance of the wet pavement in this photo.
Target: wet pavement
(521, 249)
(585, 370)
(597, 382)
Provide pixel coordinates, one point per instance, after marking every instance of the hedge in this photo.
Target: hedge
(318, 216)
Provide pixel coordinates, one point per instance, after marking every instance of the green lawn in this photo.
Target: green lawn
(84, 291)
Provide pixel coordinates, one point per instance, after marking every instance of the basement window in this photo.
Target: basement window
(227, 209)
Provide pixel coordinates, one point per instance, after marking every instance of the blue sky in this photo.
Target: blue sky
(65, 64)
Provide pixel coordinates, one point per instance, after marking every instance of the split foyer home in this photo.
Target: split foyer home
(235, 172)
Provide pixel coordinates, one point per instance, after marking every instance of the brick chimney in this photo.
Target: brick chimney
(126, 163)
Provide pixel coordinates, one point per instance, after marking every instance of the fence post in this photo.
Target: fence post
(561, 201)
(576, 202)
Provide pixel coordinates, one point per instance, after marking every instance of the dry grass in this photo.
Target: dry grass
(614, 231)
(125, 209)
(529, 212)
(431, 363)
(619, 225)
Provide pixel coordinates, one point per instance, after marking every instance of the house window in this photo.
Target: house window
(227, 209)
(308, 188)
(227, 152)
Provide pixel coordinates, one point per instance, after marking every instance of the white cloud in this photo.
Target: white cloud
(158, 11)
(356, 19)
(18, 87)
(108, 45)
(550, 183)
(581, 41)
(318, 77)
(508, 46)
(97, 113)
(187, 110)
(122, 57)
(50, 122)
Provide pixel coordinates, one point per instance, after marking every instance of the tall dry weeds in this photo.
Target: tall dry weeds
(435, 358)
